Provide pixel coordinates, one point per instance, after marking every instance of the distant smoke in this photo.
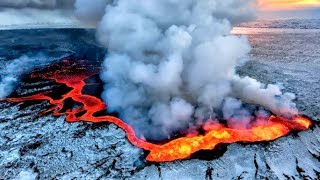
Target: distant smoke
(12, 71)
(37, 13)
(171, 62)
(91, 11)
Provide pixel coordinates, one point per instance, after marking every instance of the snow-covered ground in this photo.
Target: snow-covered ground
(48, 147)
(296, 23)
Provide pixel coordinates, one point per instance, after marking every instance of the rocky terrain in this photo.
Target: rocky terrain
(50, 148)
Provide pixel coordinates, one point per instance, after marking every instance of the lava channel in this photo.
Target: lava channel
(181, 148)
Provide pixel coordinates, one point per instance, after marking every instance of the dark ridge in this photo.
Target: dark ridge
(159, 170)
(28, 83)
(58, 91)
(26, 148)
(263, 143)
(295, 134)
(79, 114)
(94, 86)
(22, 89)
(99, 125)
(71, 43)
(316, 156)
(105, 113)
(79, 133)
(27, 104)
(100, 113)
(256, 166)
(300, 171)
(69, 104)
(209, 173)
(209, 155)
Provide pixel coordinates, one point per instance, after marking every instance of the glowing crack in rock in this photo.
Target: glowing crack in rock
(180, 148)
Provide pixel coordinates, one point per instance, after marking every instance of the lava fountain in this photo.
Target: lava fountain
(215, 133)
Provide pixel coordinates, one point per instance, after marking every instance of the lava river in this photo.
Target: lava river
(180, 148)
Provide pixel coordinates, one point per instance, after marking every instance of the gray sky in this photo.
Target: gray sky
(59, 13)
(37, 13)
(40, 4)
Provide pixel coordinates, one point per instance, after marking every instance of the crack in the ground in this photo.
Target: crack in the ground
(209, 172)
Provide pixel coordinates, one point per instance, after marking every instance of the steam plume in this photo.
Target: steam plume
(174, 61)
(90, 11)
(13, 70)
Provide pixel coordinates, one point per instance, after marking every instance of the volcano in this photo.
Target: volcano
(37, 140)
(73, 76)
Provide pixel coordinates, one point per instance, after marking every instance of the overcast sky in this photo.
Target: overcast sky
(59, 13)
(40, 4)
(43, 13)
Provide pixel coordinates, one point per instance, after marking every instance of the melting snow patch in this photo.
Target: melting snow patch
(26, 175)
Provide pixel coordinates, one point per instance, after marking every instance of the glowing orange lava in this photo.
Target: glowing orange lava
(180, 148)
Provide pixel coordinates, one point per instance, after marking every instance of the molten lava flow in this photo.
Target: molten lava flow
(181, 148)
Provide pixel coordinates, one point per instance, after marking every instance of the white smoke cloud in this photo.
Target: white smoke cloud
(269, 96)
(172, 61)
(237, 115)
(12, 71)
(90, 11)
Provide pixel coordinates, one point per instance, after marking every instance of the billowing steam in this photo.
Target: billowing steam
(171, 62)
(90, 11)
(13, 70)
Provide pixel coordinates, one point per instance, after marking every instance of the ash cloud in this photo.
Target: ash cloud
(173, 62)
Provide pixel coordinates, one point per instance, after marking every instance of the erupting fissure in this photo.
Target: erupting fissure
(181, 148)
